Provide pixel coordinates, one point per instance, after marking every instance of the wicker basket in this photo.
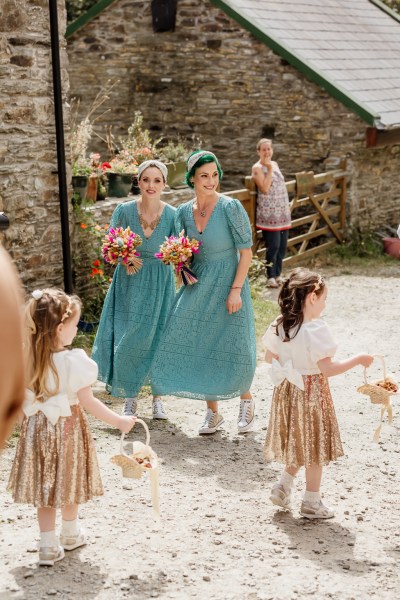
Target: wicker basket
(380, 392)
(142, 459)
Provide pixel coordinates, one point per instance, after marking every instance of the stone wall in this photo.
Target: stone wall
(28, 162)
(212, 78)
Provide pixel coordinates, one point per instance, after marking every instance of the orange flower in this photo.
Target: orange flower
(100, 272)
(96, 263)
(83, 226)
(94, 272)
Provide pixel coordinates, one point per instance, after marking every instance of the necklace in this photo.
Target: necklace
(202, 213)
(146, 225)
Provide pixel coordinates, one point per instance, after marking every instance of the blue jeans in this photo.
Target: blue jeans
(276, 243)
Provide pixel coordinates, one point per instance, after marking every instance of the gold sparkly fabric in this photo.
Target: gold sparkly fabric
(55, 465)
(303, 430)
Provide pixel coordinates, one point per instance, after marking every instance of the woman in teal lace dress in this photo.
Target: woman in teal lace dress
(208, 349)
(137, 306)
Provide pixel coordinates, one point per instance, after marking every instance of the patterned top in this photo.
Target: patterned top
(273, 209)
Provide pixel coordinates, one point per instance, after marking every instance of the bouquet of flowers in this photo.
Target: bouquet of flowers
(119, 246)
(178, 251)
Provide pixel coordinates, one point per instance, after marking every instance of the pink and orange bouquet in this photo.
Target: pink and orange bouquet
(178, 251)
(119, 246)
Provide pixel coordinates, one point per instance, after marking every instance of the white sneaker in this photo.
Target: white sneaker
(316, 510)
(280, 497)
(130, 407)
(272, 283)
(212, 422)
(246, 416)
(70, 542)
(280, 280)
(158, 409)
(49, 555)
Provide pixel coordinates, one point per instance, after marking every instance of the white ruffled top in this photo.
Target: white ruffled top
(75, 372)
(312, 343)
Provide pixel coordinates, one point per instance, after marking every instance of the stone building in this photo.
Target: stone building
(321, 79)
(28, 162)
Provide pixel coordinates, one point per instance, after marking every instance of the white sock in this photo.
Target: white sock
(48, 539)
(311, 496)
(286, 480)
(70, 527)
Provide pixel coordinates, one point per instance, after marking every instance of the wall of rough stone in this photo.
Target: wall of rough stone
(212, 78)
(28, 162)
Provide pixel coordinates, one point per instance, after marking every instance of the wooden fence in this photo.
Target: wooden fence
(318, 209)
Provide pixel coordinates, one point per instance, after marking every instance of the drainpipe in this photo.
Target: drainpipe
(62, 175)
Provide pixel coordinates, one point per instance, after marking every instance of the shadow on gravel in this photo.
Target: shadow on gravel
(69, 578)
(326, 543)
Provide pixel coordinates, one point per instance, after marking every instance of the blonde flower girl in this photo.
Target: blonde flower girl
(55, 465)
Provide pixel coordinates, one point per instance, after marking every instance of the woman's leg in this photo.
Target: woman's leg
(159, 411)
(272, 242)
(284, 235)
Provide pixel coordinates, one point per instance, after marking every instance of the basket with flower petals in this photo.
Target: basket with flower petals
(380, 392)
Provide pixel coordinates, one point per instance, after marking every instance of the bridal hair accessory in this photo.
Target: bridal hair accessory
(153, 163)
(67, 313)
(37, 294)
(142, 459)
(192, 160)
(318, 284)
(379, 393)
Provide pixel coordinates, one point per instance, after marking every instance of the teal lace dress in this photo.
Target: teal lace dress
(205, 353)
(135, 309)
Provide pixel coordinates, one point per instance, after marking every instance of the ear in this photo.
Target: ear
(60, 328)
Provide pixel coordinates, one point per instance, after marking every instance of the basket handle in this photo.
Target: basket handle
(147, 436)
(383, 364)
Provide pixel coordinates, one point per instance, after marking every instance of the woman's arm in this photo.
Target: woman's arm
(234, 301)
(99, 410)
(330, 368)
(262, 180)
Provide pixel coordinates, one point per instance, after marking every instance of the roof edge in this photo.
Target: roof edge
(386, 9)
(301, 65)
(87, 17)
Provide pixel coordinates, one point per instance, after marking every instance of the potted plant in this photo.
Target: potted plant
(80, 179)
(174, 155)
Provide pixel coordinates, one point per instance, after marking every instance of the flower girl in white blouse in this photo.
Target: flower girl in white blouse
(55, 465)
(303, 430)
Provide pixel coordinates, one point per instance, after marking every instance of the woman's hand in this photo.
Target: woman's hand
(126, 423)
(234, 301)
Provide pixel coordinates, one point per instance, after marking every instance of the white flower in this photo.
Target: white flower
(37, 294)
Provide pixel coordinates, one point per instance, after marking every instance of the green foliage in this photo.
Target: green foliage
(76, 8)
(174, 151)
(393, 4)
(361, 245)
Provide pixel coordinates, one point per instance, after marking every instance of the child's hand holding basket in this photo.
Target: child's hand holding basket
(143, 459)
(380, 392)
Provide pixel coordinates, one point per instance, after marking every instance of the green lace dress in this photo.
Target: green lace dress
(205, 353)
(135, 309)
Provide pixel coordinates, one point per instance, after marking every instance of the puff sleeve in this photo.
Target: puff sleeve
(270, 339)
(117, 219)
(81, 370)
(239, 224)
(320, 341)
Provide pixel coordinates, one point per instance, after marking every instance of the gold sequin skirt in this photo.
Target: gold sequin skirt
(302, 429)
(55, 466)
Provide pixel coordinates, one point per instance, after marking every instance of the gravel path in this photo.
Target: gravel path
(219, 537)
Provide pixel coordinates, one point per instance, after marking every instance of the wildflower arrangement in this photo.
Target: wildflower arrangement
(178, 251)
(119, 246)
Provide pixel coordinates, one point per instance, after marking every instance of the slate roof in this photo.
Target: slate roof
(349, 47)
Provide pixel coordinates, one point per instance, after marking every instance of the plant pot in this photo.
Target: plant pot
(392, 247)
(176, 174)
(87, 326)
(135, 189)
(119, 184)
(101, 188)
(91, 193)
(80, 186)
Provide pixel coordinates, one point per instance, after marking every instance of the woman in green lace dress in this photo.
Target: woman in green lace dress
(208, 349)
(137, 306)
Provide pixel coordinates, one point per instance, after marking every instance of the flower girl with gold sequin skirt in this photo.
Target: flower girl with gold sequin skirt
(303, 430)
(55, 465)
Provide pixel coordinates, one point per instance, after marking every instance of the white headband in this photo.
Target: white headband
(153, 163)
(192, 160)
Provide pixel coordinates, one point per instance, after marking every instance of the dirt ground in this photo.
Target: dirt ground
(219, 536)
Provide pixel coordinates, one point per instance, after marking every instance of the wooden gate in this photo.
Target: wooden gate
(318, 208)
